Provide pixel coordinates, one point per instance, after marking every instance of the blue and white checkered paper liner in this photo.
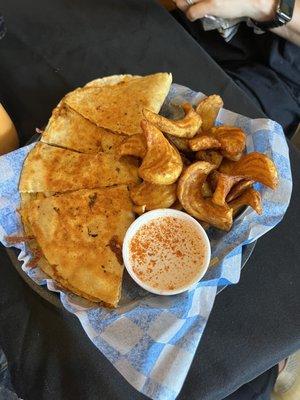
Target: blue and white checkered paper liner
(151, 340)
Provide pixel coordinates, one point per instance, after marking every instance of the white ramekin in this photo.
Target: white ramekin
(151, 215)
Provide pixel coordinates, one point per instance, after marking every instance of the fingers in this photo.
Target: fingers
(182, 5)
(201, 9)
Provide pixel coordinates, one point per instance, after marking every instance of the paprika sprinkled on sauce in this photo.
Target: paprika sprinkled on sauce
(167, 253)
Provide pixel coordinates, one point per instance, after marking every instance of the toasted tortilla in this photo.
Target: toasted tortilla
(53, 169)
(118, 107)
(66, 128)
(80, 235)
(111, 80)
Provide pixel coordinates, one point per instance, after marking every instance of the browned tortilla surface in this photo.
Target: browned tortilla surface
(53, 169)
(66, 128)
(118, 107)
(80, 235)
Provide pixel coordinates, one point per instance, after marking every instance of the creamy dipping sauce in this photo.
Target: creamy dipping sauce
(167, 253)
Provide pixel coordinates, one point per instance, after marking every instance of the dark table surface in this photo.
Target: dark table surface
(53, 46)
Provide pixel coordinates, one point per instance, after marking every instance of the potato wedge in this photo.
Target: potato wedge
(231, 157)
(254, 166)
(211, 156)
(249, 197)
(232, 139)
(186, 127)
(226, 166)
(162, 164)
(182, 144)
(206, 190)
(204, 142)
(224, 183)
(190, 196)
(238, 189)
(208, 109)
(153, 196)
(134, 145)
(213, 180)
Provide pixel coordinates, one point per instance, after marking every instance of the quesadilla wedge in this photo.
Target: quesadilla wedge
(53, 169)
(118, 107)
(66, 128)
(80, 235)
(111, 80)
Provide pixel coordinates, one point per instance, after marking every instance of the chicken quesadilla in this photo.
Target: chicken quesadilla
(80, 235)
(53, 169)
(66, 128)
(118, 107)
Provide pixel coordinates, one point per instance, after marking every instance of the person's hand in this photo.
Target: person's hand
(259, 10)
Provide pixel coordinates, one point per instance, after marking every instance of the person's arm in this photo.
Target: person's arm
(291, 31)
(259, 10)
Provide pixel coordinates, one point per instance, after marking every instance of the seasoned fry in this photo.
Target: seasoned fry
(232, 139)
(231, 157)
(153, 196)
(134, 145)
(226, 166)
(206, 190)
(186, 127)
(208, 109)
(213, 180)
(238, 189)
(190, 196)
(249, 197)
(255, 166)
(182, 144)
(211, 156)
(229, 140)
(204, 142)
(224, 184)
(162, 164)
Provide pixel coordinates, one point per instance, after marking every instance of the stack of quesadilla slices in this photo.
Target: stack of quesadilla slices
(74, 187)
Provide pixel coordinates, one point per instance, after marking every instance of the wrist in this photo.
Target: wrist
(264, 10)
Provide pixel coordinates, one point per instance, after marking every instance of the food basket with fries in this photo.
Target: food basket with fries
(234, 177)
